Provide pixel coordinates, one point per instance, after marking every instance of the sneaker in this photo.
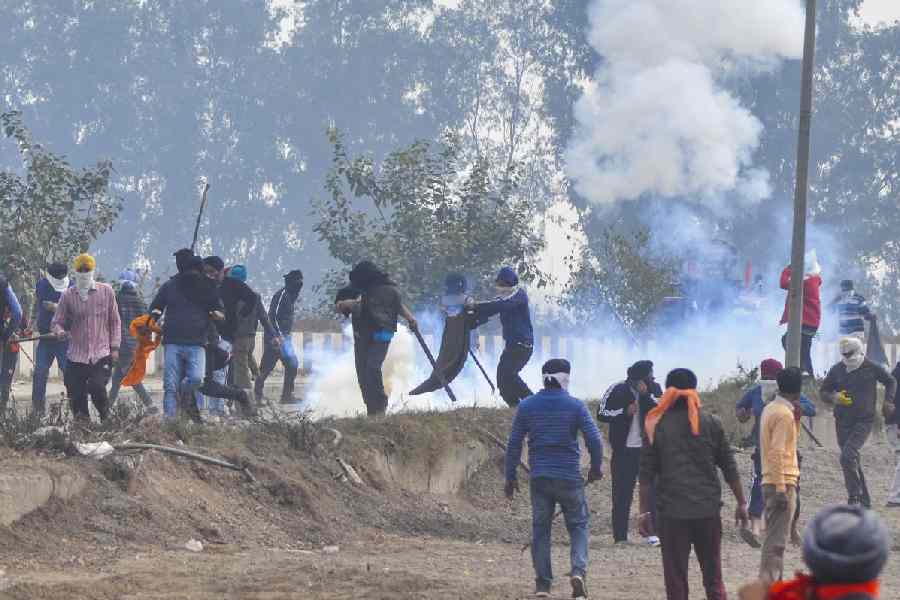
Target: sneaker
(579, 588)
(653, 541)
(541, 590)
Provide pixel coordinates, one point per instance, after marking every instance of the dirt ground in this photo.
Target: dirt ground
(273, 538)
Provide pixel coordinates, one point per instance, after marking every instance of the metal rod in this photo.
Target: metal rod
(483, 372)
(798, 244)
(200, 216)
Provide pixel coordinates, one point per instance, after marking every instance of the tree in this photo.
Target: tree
(51, 212)
(618, 277)
(423, 214)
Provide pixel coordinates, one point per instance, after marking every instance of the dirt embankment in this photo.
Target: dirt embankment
(426, 519)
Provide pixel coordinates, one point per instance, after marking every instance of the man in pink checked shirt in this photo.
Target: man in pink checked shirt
(87, 315)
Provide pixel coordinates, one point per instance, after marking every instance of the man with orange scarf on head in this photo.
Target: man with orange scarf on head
(684, 449)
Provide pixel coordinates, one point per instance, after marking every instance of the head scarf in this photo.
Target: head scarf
(813, 268)
(557, 370)
(84, 282)
(680, 383)
(852, 353)
(769, 368)
(57, 277)
(84, 260)
(238, 272)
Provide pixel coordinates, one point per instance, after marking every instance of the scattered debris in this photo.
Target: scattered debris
(350, 472)
(96, 450)
(331, 550)
(194, 545)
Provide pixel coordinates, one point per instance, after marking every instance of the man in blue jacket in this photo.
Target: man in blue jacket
(551, 420)
(518, 334)
(48, 291)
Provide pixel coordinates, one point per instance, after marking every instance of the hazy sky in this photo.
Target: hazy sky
(875, 11)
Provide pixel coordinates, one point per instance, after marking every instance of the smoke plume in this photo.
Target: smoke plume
(656, 119)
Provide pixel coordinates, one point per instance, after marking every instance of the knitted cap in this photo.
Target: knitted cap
(507, 277)
(845, 544)
(556, 365)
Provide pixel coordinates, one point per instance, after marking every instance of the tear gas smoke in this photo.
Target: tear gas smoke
(656, 120)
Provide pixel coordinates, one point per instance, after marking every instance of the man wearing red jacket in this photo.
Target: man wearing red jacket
(812, 308)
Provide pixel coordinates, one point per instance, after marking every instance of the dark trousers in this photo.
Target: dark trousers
(270, 358)
(677, 536)
(8, 362)
(513, 359)
(806, 340)
(625, 465)
(83, 379)
(851, 437)
(370, 356)
(213, 389)
(126, 358)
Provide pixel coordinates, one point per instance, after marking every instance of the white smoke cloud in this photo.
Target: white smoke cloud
(655, 120)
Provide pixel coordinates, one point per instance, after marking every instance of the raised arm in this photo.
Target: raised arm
(493, 307)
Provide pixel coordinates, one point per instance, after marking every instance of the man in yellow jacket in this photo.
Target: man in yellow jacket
(779, 430)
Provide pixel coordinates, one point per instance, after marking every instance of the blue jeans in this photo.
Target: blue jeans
(545, 495)
(47, 351)
(184, 370)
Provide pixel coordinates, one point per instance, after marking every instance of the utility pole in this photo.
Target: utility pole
(798, 245)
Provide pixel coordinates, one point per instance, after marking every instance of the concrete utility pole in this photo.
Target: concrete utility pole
(798, 246)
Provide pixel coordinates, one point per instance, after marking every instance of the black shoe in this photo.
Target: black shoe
(541, 589)
(892, 505)
(579, 587)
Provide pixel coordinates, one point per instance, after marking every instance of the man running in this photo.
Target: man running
(851, 387)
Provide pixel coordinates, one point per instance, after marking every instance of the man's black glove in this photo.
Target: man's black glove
(510, 489)
(781, 501)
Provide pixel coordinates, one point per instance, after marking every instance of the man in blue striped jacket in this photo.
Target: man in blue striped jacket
(551, 420)
(852, 311)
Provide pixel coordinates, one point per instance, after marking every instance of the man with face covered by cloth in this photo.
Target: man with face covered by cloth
(851, 387)
(88, 316)
(47, 293)
(280, 347)
(518, 334)
(625, 406)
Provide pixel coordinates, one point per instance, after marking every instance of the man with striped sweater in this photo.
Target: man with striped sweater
(552, 420)
(853, 312)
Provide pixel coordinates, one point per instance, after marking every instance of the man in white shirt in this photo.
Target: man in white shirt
(624, 406)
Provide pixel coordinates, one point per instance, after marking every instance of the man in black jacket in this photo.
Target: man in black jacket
(851, 386)
(189, 300)
(281, 314)
(625, 406)
(680, 460)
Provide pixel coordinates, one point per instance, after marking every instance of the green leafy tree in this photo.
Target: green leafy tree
(51, 211)
(619, 277)
(424, 213)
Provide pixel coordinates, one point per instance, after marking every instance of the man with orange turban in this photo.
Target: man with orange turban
(684, 450)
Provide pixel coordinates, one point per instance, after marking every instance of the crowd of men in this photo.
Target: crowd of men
(207, 316)
(662, 440)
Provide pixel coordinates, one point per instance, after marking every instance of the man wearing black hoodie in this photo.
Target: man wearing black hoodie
(188, 300)
(374, 316)
(281, 315)
(625, 406)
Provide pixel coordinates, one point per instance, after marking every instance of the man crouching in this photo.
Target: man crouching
(551, 419)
